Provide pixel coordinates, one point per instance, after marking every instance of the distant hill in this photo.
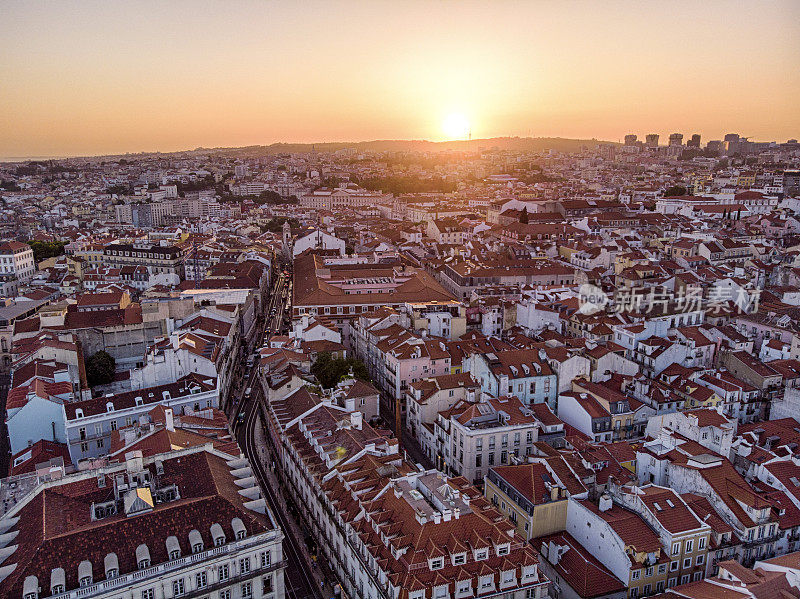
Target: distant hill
(529, 144)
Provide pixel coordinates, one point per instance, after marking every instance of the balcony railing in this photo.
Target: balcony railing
(132, 578)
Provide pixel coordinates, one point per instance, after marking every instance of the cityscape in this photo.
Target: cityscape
(300, 302)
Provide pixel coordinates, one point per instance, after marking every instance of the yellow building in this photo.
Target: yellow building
(530, 496)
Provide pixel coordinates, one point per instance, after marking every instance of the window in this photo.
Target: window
(699, 560)
(148, 594)
(244, 565)
(177, 587)
(226, 594)
(459, 559)
(437, 563)
(201, 580)
(684, 579)
(689, 545)
(247, 590)
(701, 543)
(662, 568)
(84, 447)
(266, 559)
(144, 563)
(636, 575)
(266, 584)
(687, 563)
(99, 444)
(649, 572)
(224, 573)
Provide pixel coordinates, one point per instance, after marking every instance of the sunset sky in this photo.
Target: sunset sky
(81, 78)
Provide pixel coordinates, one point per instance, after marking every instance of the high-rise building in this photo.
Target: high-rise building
(715, 145)
(694, 141)
(676, 139)
(630, 139)
(651, 140)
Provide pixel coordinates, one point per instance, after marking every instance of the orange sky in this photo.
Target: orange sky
(105, 77)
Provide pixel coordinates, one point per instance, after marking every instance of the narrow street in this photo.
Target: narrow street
(303, 579)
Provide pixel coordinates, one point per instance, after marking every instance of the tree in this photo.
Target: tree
(100, 369)
(523, 217)
(118, 190)
(330, 370)
(42, 250)
(675, 190)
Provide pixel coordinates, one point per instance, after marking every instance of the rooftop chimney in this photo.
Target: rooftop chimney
(170, 419)
(356, 419)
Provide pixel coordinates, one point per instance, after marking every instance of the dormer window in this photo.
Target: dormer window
(459, 559)
(196, 541)
(30, 589)
(217, 534)
(238, 528)
(502, 550)
(78, 413)
(111, 564)
(139, 400)
(85, 573)
(143, 556)
(481, 554)
(173, 548)
(57, 581)
(109, 407)
(437, 563)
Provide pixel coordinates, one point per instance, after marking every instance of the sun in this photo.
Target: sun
(456, 126)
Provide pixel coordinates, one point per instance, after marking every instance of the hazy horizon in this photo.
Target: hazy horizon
(97, 78)
(662, 142)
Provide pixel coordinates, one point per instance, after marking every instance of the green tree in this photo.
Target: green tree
(330, 370)
(523, 217)
(42, 250)
(100, 369)
(675, 190)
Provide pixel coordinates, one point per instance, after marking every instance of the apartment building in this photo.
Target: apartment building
(688, 467)
(16, 259)
(462, 278)
(523, 373)
(90, 424)
(157, 259)
(472, 437)
(708, 427)
(386, 529)
(426, 398)
(532, 496)
(185, 523)
(622, 541)
(684, 536)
